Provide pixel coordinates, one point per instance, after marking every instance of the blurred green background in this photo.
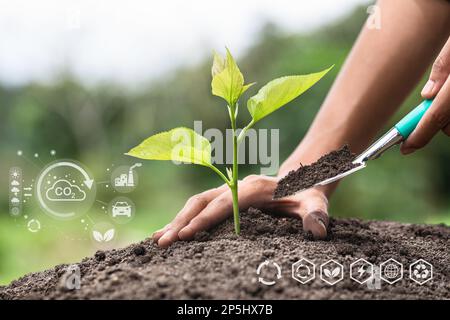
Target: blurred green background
(97, 124)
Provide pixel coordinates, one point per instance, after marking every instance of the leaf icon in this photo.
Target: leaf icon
(109, 235)
(336, 272)
(327, 273)
(97, 236)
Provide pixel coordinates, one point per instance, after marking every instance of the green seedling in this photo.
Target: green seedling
(186, 146)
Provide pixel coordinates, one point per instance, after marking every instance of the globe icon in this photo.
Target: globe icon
(391, 271)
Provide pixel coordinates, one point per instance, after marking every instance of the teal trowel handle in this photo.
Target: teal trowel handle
(410, 121)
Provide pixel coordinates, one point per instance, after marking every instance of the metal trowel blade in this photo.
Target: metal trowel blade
(360, 166)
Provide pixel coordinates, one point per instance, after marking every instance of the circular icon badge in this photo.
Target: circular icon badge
(121, 209)
(34, 225)
(125, 178)
(65, 190)
(103, 235)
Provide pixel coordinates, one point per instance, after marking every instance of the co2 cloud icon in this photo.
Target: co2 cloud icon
(63, 190)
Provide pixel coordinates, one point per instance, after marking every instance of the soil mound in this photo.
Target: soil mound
(220, 265)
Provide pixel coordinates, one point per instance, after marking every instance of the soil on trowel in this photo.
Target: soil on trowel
(328, 166)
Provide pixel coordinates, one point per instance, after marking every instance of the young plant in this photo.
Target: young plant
(186, 146)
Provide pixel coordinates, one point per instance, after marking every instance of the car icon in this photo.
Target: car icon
(121, 208)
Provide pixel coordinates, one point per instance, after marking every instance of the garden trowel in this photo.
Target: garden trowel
(394, 136)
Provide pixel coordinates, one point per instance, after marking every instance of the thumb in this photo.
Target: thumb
(439, 73)
(314, 213)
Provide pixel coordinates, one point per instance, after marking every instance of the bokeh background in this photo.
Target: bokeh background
(90, 81)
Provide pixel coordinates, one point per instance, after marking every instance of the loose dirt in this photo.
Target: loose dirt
(328, 166)
(220, 265)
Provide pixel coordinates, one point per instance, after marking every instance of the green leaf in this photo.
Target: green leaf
(279, 92)
(246, 87)
(219, 64)
(227, 81)
(179, 144)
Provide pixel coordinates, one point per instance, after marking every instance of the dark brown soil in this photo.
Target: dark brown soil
(328, 166)
(219, 264)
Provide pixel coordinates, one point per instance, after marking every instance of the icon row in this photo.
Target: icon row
(361, 271)
(15, 191)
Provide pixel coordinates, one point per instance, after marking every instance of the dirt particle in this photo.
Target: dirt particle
(252, 288)
(115, 280)
(268, 253)
(193, 293)
(112, 261)
(113, 270)
(139, 250)
(309, 236)
(199, 248)
(198, 255)
(202, 236)
(100, 255)
(187, 277)
(345, 250)
(145, 259)
(135, 276)
(162, 282)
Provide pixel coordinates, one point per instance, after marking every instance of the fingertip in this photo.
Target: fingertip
(164, 243)
(157, 234)
(427, 91)
(167, 239)
(316, 222)
(446, 130)
(405, 149)
(186, 233)
(160, 232)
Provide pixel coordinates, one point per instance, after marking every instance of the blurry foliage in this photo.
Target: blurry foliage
(96, 125)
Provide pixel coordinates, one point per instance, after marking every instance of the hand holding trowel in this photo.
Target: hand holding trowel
(394, 136)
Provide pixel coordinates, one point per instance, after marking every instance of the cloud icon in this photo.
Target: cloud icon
(15, 200)
(63, 190)
(15, 190)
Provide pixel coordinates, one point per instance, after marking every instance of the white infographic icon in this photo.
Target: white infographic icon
(107, 236)
(121, 210)
(303, 271)
(361, 271)
(273, 267)
(34, 225)
(125, 178)
(331, 272)
(421, 271)
(65, 190)
(103, 235)
(15, 191)
(391, 271)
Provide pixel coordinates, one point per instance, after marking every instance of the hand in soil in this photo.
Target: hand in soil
(207, 209)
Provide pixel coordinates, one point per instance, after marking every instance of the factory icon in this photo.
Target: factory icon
(126, 179)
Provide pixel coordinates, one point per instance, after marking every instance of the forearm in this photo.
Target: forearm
(381, 70)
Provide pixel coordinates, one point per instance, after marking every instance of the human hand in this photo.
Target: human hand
(208, 208)
(438, 116)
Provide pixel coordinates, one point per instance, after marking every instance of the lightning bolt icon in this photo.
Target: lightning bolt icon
(361, 271)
